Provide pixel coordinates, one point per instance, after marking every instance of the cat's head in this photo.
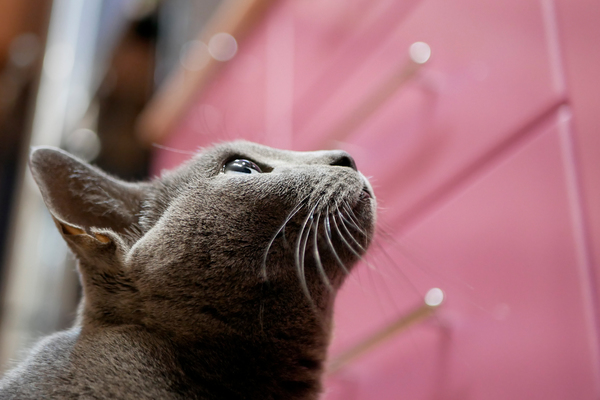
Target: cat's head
(241, 238)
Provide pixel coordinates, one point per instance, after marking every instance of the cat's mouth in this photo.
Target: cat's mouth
(365, 193)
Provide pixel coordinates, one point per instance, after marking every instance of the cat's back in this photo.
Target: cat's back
(99, 365)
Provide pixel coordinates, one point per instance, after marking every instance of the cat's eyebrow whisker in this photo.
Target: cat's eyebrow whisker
(299, 254)
(291, 215)
(318, 257)
(173, 150)
(330, 243)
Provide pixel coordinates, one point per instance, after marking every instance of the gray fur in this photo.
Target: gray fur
(195, 287)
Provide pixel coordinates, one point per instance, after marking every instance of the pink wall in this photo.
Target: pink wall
(487, 168)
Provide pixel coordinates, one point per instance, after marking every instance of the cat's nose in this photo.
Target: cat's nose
(343, 159)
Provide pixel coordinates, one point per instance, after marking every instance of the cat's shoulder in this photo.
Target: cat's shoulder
(45, 365)
(111, 363)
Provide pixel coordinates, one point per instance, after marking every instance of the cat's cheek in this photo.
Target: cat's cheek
(373, 211)
(145, 254)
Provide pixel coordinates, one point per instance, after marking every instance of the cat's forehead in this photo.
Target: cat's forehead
(265, 154)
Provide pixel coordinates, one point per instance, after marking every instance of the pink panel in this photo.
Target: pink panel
(516, 324)
(334, 40)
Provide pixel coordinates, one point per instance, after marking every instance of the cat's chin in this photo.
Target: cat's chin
(365, 194)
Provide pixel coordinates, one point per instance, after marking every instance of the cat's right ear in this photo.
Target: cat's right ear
(84, 201)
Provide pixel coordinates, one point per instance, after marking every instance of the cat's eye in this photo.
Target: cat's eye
(241, 166)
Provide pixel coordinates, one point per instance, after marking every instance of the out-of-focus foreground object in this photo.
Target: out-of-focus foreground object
(201, 60)
(478, 123)
(84, 71)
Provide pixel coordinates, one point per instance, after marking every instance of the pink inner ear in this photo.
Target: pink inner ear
(70, 230)
(102, 238)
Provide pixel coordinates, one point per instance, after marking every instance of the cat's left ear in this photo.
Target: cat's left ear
(82, 199)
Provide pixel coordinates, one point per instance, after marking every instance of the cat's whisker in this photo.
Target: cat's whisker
(360, 257)
(354, 220)
(335, 224)
(395, 265)
(405, 251)
(330, 243)
(291, 215)
(174, 150)
(299, 254)
(261, 309)
(343, 224)
(386, 235)
(347, 220)
(318, 257)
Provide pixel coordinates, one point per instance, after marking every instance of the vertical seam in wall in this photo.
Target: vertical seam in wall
(580, 236)
(574, 189)
(553, 46)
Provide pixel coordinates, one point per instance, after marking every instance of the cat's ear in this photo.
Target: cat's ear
(83, 200)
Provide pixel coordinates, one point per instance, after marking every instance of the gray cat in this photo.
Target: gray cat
(215, 281)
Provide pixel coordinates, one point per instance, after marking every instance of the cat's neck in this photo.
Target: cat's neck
(212, 367)
(269, 358)
(265, 367)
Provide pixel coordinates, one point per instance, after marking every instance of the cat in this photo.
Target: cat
(214, 281)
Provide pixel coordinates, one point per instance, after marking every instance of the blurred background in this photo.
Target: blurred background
(477, 122)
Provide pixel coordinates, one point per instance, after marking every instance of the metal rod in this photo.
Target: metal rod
(419, 54)
(433, 300)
